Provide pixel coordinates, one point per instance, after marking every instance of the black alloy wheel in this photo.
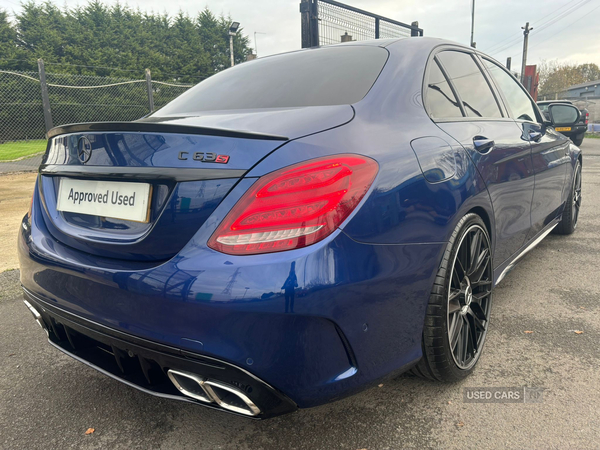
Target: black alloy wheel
(469, 297)
(576, 196)
(458, 311)
(570, 215)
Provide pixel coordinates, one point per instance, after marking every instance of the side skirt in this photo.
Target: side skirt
(511, 263)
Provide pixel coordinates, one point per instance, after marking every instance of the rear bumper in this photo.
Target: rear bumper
(575, 130)
(144, 364)
(355, 316)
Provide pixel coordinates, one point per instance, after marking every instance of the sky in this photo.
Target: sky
(563, 30)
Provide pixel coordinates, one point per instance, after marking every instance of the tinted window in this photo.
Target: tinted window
(330, 76)
(476, 95)
(440, 100)
(519, 102)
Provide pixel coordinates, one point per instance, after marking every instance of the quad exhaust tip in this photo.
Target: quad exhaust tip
(191, 385)
(210, 391)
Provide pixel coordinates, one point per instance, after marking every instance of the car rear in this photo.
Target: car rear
(151, 254)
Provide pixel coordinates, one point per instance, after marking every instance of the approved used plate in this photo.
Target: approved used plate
(118, 200)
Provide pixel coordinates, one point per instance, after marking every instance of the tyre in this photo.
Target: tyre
(577, 140)
(458, 311)
(570, 215)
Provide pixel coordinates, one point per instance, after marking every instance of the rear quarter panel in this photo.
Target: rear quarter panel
(402, 207)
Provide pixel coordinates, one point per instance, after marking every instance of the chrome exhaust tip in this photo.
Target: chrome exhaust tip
(239, 403)
(227, 397)
(36, 315)
(189, 384)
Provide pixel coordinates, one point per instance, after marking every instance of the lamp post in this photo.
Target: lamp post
(232, 32)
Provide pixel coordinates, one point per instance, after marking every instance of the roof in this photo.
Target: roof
(589, 83)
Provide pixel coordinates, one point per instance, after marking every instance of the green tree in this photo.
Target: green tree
(118, 41)
(556, 77)
(10, 53)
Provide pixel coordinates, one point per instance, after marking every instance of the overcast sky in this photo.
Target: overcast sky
(566, 30)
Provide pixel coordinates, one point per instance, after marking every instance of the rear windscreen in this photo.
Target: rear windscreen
(328, 76)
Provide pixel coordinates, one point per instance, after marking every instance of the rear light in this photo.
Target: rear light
(295, 206)
(587, 117)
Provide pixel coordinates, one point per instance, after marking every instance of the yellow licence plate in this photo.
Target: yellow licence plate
(563, 128)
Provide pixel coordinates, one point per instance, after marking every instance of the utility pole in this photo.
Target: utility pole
(526, 31)
(255, 44)
(472, 22)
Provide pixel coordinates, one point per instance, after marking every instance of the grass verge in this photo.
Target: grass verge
(10, 151)
(592, 135)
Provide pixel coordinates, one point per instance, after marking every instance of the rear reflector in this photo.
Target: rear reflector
(295, 206)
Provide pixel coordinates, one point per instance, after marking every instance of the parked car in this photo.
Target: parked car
(575, 132)
(298, 227)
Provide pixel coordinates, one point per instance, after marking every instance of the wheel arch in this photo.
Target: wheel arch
(481, 212)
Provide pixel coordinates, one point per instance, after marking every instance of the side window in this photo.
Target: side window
(440, 101)
(519, 102)
(473, 89)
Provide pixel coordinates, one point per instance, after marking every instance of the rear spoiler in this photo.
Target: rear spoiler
(153, 127)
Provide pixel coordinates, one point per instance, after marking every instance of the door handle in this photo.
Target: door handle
(535, 136)
(483, 144)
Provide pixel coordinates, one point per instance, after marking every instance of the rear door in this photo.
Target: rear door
(493, 141)
(549, 149)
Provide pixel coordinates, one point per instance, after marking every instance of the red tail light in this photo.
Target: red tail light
(587, 117)
(295, 206)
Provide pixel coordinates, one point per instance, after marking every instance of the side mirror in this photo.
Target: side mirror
(561, 114)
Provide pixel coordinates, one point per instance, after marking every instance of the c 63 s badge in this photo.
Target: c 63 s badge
(204, 157)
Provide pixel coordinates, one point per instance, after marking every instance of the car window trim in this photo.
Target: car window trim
(425, 88)
(536, 109)
(491, 85)
(472, 55)
(504, 100)
(433, 59)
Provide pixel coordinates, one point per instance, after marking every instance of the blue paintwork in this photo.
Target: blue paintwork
(290, 122)
(437, 158)
(508, 174)
(358, 310)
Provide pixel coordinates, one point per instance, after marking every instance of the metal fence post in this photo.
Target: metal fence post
(413, 32)
(310, 23)
(376, 27)
(45, 98)
(314, 24)
(149, 89)
(305, 21)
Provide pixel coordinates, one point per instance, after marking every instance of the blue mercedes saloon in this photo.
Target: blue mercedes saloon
(294, 229)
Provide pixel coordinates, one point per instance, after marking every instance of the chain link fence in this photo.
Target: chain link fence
(71, 99)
